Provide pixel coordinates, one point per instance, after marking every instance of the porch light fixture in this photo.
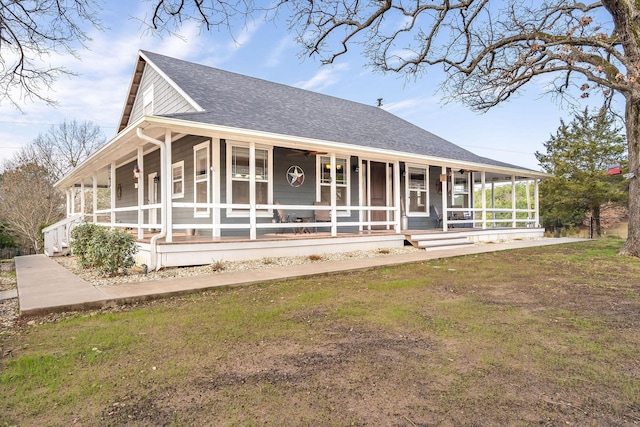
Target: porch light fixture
(356, 169)
(156, 179)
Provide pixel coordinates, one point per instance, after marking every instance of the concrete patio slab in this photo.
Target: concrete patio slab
(45, 286)
(10, 294)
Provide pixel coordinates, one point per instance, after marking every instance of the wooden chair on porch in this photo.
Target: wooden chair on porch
(321, 215)
(280, 217)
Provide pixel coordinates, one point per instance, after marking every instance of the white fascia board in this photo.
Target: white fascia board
(173, 84)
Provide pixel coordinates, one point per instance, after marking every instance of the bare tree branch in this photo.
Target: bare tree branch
(30, 31)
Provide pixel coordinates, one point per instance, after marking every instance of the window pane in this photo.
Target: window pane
(460, 184)
(325, 194)
(201, 163)
(240, 162)
(262, 192)
(417, 179)
(177, 187)
(341, 196)
(240, 190)
(201, 195)
(341, 171)
(325, 170)
(262, 169)
(417, 201)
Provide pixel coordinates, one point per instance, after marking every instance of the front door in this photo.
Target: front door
(378, 190)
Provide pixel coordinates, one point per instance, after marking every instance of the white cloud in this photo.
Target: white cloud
(412, 106)
(324, 78)
(276, 55)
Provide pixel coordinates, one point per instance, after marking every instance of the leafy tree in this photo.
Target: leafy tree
(30, 31)
(578, 156)
(28, 203)
(487, 50)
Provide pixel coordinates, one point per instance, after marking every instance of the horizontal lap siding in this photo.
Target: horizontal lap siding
(126, 180)
(166, 100)
(182, 149)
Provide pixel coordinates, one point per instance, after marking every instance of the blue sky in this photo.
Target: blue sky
(511, 132)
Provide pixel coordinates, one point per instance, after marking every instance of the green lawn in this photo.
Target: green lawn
(546, 336)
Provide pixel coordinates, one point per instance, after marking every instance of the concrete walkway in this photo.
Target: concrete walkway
(44, 286)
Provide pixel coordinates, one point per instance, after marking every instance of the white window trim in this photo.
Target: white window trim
(180, 165)
(407, 191)
(147, 98)
(196, 178)
(244, 213)
(341, 211)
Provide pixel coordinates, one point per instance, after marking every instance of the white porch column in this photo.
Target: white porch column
(536, 202)
(215, 174)
(253, 235)
(73, 200)
(82, 207)
(140, 180)
(445, 213)
(493, 202)
(94, 196)
(513, 201)
(396, 198)
(361, 193)
(67, 193)
(166, 184)
(334, 212)
(483, 179)
(112, 189)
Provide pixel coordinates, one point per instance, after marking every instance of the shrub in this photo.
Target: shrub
(110, 251)
(81, 244)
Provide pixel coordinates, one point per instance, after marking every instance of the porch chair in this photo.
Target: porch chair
(438, 216)
(321, 215)
(280, 217)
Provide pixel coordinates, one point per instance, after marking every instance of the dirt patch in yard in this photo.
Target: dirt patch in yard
(544, 336)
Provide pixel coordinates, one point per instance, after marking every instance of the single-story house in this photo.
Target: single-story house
(209, 165)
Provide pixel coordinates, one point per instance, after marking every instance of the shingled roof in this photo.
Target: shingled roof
(244, 102)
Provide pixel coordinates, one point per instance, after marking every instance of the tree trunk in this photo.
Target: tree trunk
(632, 116)
(595, 215)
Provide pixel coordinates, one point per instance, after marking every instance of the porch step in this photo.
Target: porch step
(440, 241)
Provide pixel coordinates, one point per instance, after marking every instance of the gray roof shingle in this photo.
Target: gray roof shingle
(240, 101)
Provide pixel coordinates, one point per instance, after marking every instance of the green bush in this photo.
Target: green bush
(109, 251)
(81, 244)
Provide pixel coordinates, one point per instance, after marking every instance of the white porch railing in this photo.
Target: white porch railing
(263, 217)
(512, 218)
(57, 237)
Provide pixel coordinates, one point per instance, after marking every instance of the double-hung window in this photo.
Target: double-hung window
(342, 180)
(239, 169)
(177, 180)
(201, 181)
(417, 185)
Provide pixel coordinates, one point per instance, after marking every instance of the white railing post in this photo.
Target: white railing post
(513, 202)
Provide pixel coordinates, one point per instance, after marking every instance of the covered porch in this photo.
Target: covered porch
(203, 193)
